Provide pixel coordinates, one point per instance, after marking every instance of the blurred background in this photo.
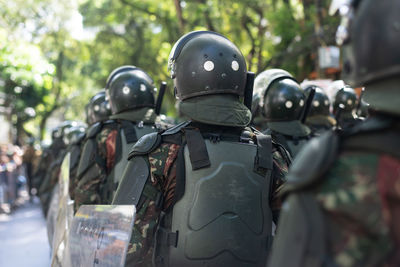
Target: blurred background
(54, 55)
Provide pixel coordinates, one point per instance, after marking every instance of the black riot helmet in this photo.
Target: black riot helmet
(55, 133)
(320, 104)
(346, 97)
(370, 35)
(60, 131)
(206, 63)
(117, 71)
(98, 108)
(284, 101)
(279, 100)
(277, 96)
(73, 134)
(131, 89)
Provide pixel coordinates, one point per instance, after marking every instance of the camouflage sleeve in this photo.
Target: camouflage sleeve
(87, 190)
(359, 197)
(279, 171)
(163, 178)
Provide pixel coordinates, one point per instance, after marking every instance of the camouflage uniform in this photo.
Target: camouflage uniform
(87, 190)
(162, 164)
(344, 188)
(356, 195)
(75, 151)
(52, 168)
(47, 157)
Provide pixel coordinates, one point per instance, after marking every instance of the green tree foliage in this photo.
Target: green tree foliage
(270, 33)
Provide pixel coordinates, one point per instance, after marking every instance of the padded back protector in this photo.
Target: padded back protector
(224, 217)
(121, 153)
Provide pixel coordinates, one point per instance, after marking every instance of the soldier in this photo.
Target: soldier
(131, 97)
(319, 118)
(278, 105)
(97, 115)
(92, 166)
(74, 137)
(202, 188)
(344, 107)
(343, 203)
(47, 156)
(53, 167)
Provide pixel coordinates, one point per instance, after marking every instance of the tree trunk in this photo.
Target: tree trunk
(181, 21)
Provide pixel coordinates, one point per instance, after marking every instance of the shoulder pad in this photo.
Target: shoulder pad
(94, 129)
(312, 162)
(176, 129)
(145, 145)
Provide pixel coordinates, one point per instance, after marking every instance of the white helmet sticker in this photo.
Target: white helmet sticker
(209, 65)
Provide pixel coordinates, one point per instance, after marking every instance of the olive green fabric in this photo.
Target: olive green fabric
(147, 115)
(291, 128)
(224, 110)
(384, 96)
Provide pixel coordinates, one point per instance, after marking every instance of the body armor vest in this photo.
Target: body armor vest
(75, 155)
(128, 135)
(223, 217)
(89, 152)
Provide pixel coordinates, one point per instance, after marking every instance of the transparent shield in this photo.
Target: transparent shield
(52, 213)
(64, 215)
(100, 234)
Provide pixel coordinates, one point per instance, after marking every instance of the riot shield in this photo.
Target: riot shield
(99, 235)
(64, 216)
(52, 214)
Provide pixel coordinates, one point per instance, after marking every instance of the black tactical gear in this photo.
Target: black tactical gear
(131, 89)
(320, 104)
(209, 75)
(344, 107)
(63, 128)
(219, 210)
(75, 150)
(278, 103)
(319, 226)
(220, 194)
(347, 97)
(319, 118)
(73, 134)
(98, 108)
(205, 63)
(262, 84)
(303, 225)
(284, 101)
(117, 71)
(128, 135)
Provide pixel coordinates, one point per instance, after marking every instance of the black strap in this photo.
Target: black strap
(197, 149)
(264, 152)
(180, 175)
(129, 131)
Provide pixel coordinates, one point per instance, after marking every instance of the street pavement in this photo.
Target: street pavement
(23, 237)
